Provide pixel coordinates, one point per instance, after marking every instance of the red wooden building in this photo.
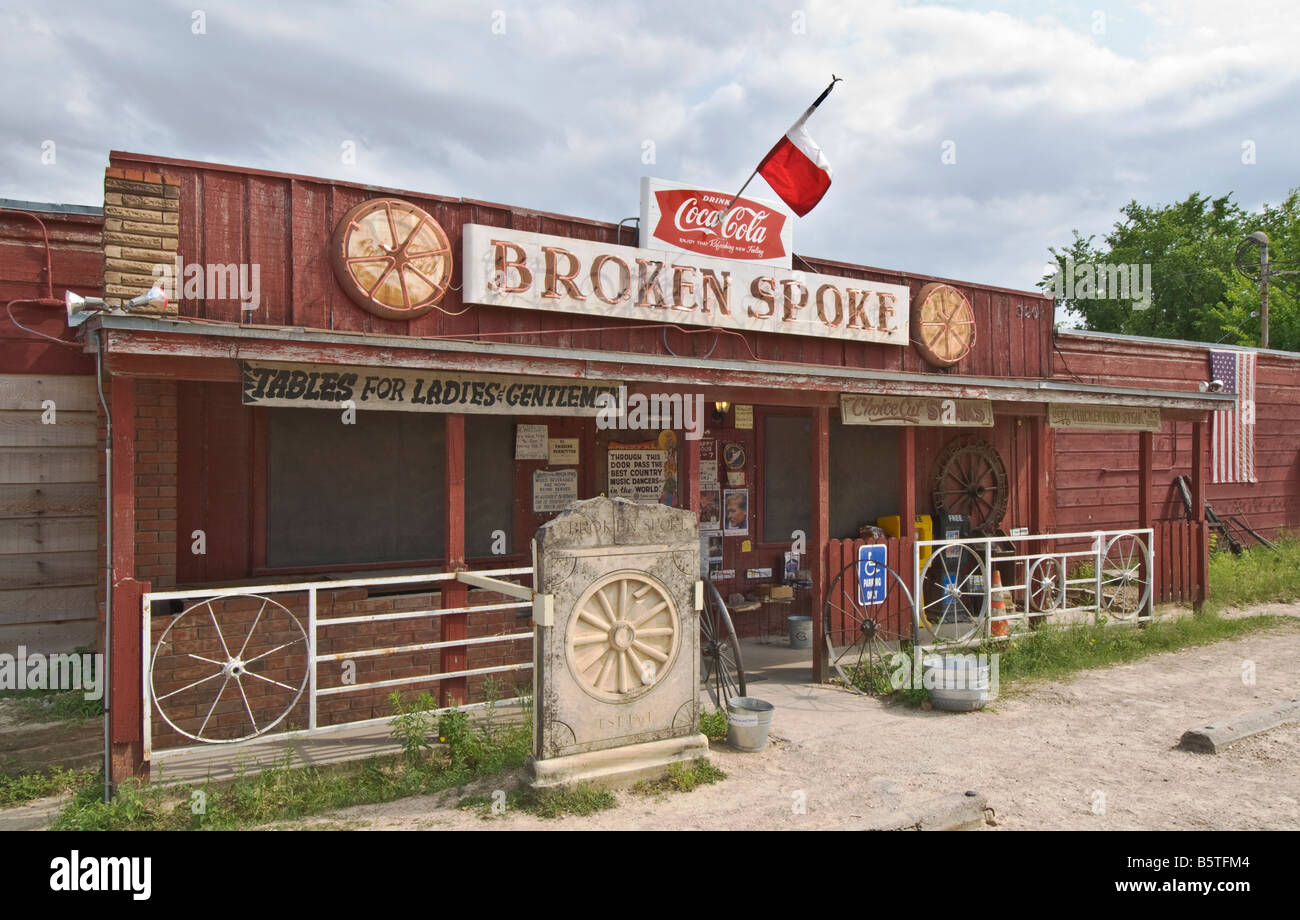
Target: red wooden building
(486, 335)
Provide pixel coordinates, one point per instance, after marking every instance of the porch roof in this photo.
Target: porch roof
(169, 337)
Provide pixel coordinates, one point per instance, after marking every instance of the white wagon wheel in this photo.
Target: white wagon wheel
(956, 577)
(1046, 584)
(233, 657)
(1124, 588)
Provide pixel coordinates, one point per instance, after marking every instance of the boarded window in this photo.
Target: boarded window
(354, 494)
(864, 476)
(787, 492)
(489, 482)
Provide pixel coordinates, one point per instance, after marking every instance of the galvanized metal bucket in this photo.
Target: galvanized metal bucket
(800, 631)
(958, 683)
(748, 722)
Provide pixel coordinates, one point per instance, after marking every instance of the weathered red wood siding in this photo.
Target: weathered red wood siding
(1097, 478)
(284, 223)
(77, 258)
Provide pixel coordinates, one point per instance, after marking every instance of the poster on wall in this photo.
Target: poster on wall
(710, 551)
(564, 451)
(735, 512)
(554, 490)
(710, 509)
(637, 475)
(530, 442)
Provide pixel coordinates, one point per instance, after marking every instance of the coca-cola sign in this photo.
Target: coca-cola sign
(677, 217)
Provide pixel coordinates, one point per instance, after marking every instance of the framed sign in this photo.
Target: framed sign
(872, 584)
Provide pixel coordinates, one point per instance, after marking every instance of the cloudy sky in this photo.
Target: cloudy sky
(1054, 113)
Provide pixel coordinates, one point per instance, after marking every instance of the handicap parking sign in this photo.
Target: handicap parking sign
(871, 573)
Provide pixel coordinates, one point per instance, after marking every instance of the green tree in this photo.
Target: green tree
(1235, 318)
(1196, 293)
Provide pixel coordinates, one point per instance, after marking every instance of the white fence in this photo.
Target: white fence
(231, 657)
(1064, 576)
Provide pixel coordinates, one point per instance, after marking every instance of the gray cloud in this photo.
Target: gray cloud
(550, 105)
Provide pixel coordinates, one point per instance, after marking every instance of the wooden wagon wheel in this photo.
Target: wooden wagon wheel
(970, 479)
(392, 258)
(943, 323)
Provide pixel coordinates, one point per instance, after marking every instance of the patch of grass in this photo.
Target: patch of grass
(1257, 576)
(682, 778)
(713, 724)
(1056, 652)
(15, 790)
(471, 751)
(580, 799)
(54, 705)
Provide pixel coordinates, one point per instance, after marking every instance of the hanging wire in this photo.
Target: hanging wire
(9, 309)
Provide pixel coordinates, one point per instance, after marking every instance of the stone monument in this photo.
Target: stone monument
(616, 643)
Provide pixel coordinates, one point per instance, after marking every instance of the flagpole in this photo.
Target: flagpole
(722, 215)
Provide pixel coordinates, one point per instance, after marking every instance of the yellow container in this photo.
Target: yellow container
(923, 528)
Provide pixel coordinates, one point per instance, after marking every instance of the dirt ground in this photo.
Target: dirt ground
(1092, 752)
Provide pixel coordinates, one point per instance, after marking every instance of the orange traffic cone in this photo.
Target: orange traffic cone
(999, 609)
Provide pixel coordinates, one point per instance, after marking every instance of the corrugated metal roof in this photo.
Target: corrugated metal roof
(46, 207)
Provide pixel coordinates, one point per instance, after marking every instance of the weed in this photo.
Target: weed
(1257, 576)
(682, 777)
(291, 791)
(15, 790)
(580, 799)
(713, 724)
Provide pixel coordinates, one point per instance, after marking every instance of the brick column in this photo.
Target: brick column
(141, 232)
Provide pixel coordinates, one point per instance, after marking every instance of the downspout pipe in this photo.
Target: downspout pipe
(108, 561)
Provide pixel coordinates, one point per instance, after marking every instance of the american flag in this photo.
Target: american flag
(1232, 443)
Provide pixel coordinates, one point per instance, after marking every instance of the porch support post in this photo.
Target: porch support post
(906, 483)
(452, 691)
(125, 705)
(1042, 491)
(1146, 450)
(820, 536)
(1202, 561)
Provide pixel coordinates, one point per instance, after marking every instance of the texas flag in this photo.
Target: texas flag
(796, 168)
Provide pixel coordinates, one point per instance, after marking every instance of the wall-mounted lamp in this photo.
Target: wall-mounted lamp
(720, 411)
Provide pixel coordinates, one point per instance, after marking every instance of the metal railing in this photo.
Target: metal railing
(235, 667)
(1104, 573)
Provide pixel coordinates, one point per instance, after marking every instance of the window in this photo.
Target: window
(864, 476)
(489, 482)
(357, 494)
(787, 492)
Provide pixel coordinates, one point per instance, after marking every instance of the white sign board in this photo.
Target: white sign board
(554, 490)
(556, 274)
(530, 442)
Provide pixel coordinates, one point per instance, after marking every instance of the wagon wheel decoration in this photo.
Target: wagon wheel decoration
(722, 670)
(392, 258)
(1046, 584)
(955, 608)
(877, 629)
(624, 637)
(945, 324)
(970, 480)
(223, 655)
(1125, 589)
